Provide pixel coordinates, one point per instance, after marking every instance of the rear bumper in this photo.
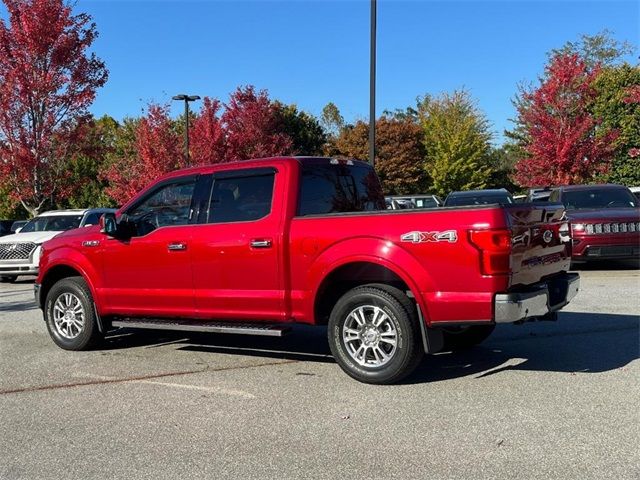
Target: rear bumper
(536, 301)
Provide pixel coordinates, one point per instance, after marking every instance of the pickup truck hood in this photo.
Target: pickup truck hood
(602, 214)
(35, 237)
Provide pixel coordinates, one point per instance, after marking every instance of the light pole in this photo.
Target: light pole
(372, 86)
(186, 99)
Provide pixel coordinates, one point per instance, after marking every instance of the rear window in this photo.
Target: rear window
(339, 188)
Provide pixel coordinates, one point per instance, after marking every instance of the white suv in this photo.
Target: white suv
(20, 252)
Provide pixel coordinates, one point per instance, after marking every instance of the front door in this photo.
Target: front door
(150, 273)
(237, 248)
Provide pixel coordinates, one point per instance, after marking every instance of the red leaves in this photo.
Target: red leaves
(565, 145)
(207, 136)
(249, 127)
(252, 126)
(47, 82)
(158, 150)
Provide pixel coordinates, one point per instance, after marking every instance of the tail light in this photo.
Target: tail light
(495, 250)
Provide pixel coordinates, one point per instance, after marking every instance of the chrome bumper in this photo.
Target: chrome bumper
(540, 300)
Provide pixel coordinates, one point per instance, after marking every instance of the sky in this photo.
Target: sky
(314, 52)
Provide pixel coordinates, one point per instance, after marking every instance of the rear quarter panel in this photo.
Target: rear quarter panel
(443, 275)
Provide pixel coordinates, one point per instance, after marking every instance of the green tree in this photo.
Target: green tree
(620, 111)
(306, 133)
(96, 141)
(457, 142)
(600, 49)
(10, 208)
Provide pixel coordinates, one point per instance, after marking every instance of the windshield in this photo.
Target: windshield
(52, 223)
(480, 199)
(599, 198)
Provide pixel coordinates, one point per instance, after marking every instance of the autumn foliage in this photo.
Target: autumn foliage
(248, 127)
(47, 81)
(564, 145)
(399, 152)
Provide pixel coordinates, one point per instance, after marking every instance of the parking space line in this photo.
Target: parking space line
(226, 391)
(107, 380)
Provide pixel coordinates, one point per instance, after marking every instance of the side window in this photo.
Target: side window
(241, 199)
(168, 206)
(92, 219)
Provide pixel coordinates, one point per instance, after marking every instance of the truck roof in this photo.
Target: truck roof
(257, 162)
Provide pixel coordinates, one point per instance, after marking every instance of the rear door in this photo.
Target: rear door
(237, 248)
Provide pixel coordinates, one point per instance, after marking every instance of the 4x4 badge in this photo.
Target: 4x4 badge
(450, 236)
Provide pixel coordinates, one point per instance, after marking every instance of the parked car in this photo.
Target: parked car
(398, 202)
(395, 204)
(17, 225)
(635, 191)
(20, 252)
(605, 221)
(5, 227)
(478, 197)
(254, 247)
(539, 194)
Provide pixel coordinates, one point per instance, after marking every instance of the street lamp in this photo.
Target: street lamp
(186, 99)
(372, 86)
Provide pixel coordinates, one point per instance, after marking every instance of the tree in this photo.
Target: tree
(331, 120)
(306, 134)
(595, 51)
(617, 104)
(563, 145)
(47, 81)
(399, 153)
(95, 142)
(157, 150)
(456, 138)
(253, 127)
(207, 135)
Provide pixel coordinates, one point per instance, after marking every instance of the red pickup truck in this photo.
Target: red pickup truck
(254, 247)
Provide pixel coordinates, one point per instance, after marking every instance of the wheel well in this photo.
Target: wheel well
(349, 276)
(54, 275)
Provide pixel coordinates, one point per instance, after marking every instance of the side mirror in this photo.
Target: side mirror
(108, 224)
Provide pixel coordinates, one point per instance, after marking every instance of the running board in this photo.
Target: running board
(199, 326)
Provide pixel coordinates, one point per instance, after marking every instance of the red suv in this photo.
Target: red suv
(605, 220)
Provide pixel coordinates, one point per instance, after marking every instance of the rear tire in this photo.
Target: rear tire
(463, 338)
(8, 278)
(374, 334)
(70, 315)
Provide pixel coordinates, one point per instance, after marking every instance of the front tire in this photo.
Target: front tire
(374, 334)
(70, 315)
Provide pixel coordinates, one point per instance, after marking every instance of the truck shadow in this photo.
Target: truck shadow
(578, 342)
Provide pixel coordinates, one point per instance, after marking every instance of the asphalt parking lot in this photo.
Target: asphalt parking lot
(543, 400)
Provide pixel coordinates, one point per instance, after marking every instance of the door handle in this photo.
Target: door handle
(260, 243)
(177, 246)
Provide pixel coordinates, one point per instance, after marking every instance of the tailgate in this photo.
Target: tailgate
(541, 244)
